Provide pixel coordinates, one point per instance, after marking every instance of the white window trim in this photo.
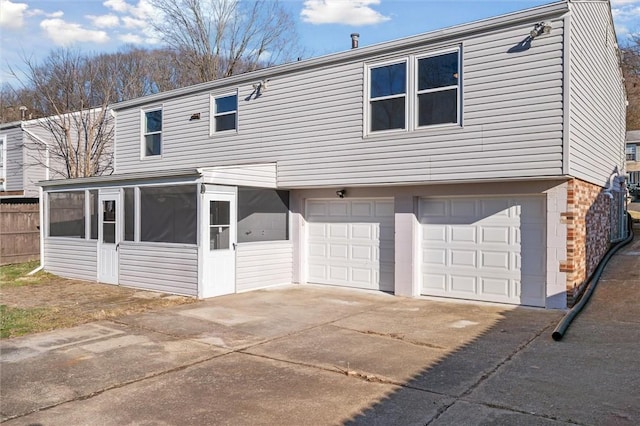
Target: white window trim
(417, 92)
(367, 105)
(411, 95)
(143, 133)
(632, 149)
(212, 116)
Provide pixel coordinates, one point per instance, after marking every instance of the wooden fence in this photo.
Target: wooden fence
(19, 232)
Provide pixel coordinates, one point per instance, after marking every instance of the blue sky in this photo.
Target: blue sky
(31, 28)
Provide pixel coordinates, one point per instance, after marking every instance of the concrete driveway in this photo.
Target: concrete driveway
(320, 355)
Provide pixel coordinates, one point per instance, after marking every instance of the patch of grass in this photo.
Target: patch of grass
(16, 275)
(16, 322)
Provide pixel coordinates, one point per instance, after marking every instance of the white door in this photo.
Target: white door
(109, 231)
(485, 248)
(219, 244)
(351, 243)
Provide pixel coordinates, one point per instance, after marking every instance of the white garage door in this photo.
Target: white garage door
(350, 243)
(489, 249)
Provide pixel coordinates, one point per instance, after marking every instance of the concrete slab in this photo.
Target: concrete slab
(231, 390)
(349, 351)
(51, 368)
(468, 414)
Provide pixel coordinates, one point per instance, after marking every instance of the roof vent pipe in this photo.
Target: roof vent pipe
(354, 40)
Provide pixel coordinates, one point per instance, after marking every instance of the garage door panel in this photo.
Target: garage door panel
(463, 258)
(495, 234)
(462, 234)
(478, 254)
(496, 260)
(359, 241)
(463, 284)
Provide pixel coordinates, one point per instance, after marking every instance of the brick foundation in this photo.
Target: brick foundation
(588, 228)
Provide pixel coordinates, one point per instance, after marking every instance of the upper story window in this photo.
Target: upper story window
(433, 82)
(388, 97)
(631, 153)
(437, 89)
(225, 113)
(152, 132)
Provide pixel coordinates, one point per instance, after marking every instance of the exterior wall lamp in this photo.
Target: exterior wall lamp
(341, 193)
(539, 29)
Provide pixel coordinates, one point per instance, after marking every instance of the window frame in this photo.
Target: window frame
(412, 92)
(213, 114)
(85, 217)
(144, 133)
(416, 92)
(369, 99)
(631, 150)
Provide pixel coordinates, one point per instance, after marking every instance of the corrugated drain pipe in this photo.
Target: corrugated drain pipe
(564, 323)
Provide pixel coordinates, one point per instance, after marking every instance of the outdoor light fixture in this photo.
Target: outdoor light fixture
(261, 86)
(539, 29)
(341, 193)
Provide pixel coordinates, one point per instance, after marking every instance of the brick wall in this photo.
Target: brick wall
(588, 228)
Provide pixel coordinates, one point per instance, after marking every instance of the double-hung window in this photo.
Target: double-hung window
(225, 113)
(152, 132)
(631, 153)
(388, 97)
(437, 81)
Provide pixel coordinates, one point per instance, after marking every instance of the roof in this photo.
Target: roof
(633, 136)
(123, 177)
(536, 13)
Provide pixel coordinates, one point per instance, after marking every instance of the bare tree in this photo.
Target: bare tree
(219, 38)
(631, 70)
(76, 125)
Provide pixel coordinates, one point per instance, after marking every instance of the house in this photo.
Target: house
(633, 159)
(477, 162)
(23, 164)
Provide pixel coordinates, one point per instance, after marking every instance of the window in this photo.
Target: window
(169, 214)
(152, 127)
(66, 214)
(388, 97)
(631, 153)
(129, 214)
(93, 214)
(219, 224)
(225, 115)
(437, 89)
(263, 215)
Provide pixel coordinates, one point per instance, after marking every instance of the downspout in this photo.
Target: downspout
(40, 196)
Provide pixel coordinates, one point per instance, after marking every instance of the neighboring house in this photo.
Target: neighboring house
(23, 162)
(476, 162)
(633, 159)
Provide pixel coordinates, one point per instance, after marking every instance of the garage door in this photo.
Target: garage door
(489, 249)
(350, 243)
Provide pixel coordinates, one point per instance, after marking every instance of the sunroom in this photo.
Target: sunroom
(197, 232)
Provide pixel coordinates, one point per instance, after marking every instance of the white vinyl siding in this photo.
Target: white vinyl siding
(486, 248)
(597, 97)
(71, 258)
(310, 122)
(263, 264)
(161, 267)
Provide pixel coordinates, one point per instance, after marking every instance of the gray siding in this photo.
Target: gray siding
(160, 267)
(14, 162)
(597, 99)
(311, 122)
(257, 175)
(71, 258)
(263, 264)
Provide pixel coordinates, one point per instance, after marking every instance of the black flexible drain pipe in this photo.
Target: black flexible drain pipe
(564, 323)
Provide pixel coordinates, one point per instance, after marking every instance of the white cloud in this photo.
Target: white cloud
(40, 12)
(352, 12)
(117, 5)
(130, 22)
(65, 33)
(104, 21)
(131, 38)
(142, 10)
(12, 14)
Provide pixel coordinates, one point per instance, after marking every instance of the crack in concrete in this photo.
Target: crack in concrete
(490, 373)
(394, 336)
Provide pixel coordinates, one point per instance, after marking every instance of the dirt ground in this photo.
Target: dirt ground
(65, 303)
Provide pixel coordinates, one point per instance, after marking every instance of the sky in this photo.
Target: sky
(32, 28)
